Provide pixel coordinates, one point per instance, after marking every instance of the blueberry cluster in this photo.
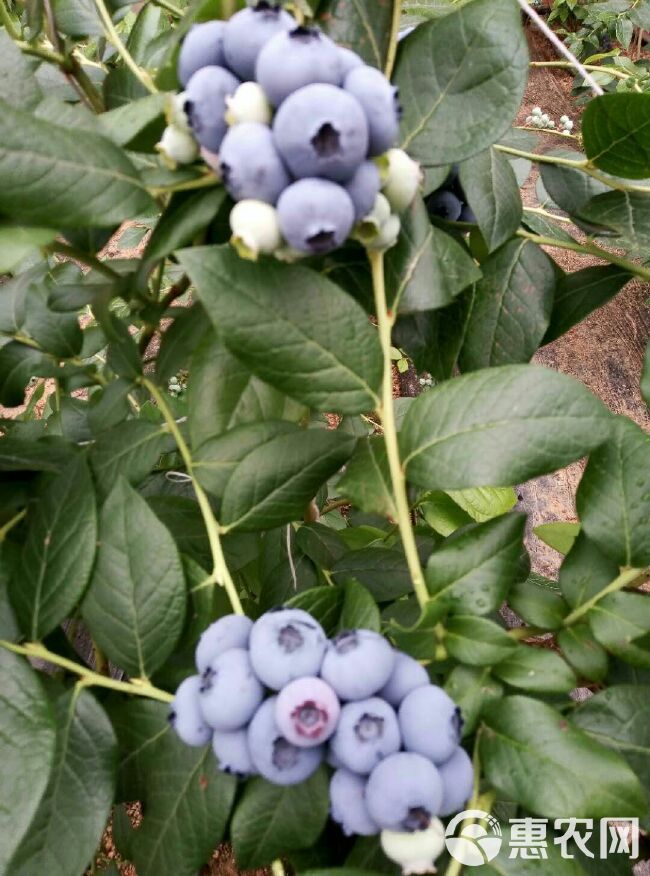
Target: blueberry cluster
(392, 737)
(300, 130)
(450, 202)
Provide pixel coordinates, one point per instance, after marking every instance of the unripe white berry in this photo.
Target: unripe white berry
(388, 234)
(415, 852)
(403, 179)
(177, 146)
(255, 229)
(175, 112)
(248, 104)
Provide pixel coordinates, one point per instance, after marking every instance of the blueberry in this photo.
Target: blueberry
(404, 792)
(250, 165)
(275, 757)
(307, 712)
(445, 205)
(363, 188)
(380, 103)
(231, 750)
(348, 60)
(202, 47)
(230, 692)
(457, 776)
(430, 723)
(321, 130)
(293, 59)
(367, 732)
(406, 676)
(467, 215)
(348, 804)
(286, 644)
(357, 664)
(205, 104)
(248, 31)
(185, 714)
(231, 631)
(316, 215)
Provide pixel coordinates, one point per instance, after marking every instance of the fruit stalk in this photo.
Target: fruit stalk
(114, 38)
(625, 579)
(385, 322)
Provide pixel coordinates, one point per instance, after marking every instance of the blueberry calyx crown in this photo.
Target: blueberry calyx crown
(346, 641)
(326, 141)
(285, 755)
(322, 241)
(304, 33)
(418, 818)
(369, 727)
(290, 639)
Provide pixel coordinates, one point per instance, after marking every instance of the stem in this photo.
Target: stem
(7, 21)
(58, 248)
(613, 71)
(15, 520)
(539, 22)
(394, 35)
(589, 249)
(624, 580)
(540, 211)
(203, 182)
(38, 51)
(220, 572)
(113, 36)
(385, 322)
(137, 687)
(333, 505)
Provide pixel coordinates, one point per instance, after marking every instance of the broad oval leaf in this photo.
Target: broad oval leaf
(583, 652)
(54, 176)
(135, 606)
(383, 571)
(580, 293)
(129, 449)
(364, 26)
(461, 81)
(477, 640)
(72, 815)
(615, 130)
(536, 669)
(18, 85)
(505, 425)
(472, 689)
(366, 480)
(535, 757)
(27, 742)
(292, 327)
(492, 192)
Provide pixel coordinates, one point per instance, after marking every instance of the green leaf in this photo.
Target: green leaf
(553, 864)
(443, 514)
(293, 340)
(627, 214)
(359, 609)
(27, 742)
(615, 132)
(72, 815)
(559, 535)
(485, 503)
(130, 449)
(427, 268)
(323, 603)
(56, 333)
(473, 572)
(18, 364)
(620, 618)
(585, 572)
(49, 175)
(536, 758)
(383, 571)
(49, 454)
(582, 651)
(453, 107)
(580, 293)
(135, 606)
(569, 188)
(17, 243)
(506, 424)
(477, 641)
(536, 669)
(364, 26)
(271, 819)
(366, 480)
(511, 307)
(492, 192)
(274, 483)
(18, 85)
(538, 605)
(126, 124)
(323, 545)
(187, 800)
(58, 553)
(613, 496)
(472, 690)
(77, 18)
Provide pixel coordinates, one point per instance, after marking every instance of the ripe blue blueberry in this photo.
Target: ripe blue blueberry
(404, 792)
(185, 714)
(363, 188)
(230, 691)
(430, 722)
(202, 47)
(357, 664)
(457, 776)
(445, 205)
(406, 676)
(293, 59)
(248, 31)
(275, 757)
(467, 215)
(286, 644)
(348, 60)
(307, 711)
(231, 750)
(380, 102)
(250, 165)
(205, 104)
(322, 131)
(316, 215)
(367, 732)
(231, 631)
(348, 804)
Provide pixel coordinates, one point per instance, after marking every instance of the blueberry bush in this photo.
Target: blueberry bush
(292, 581)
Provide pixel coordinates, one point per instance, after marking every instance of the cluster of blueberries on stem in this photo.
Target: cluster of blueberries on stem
(276, 698)
(301, 131)
(449, 201)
